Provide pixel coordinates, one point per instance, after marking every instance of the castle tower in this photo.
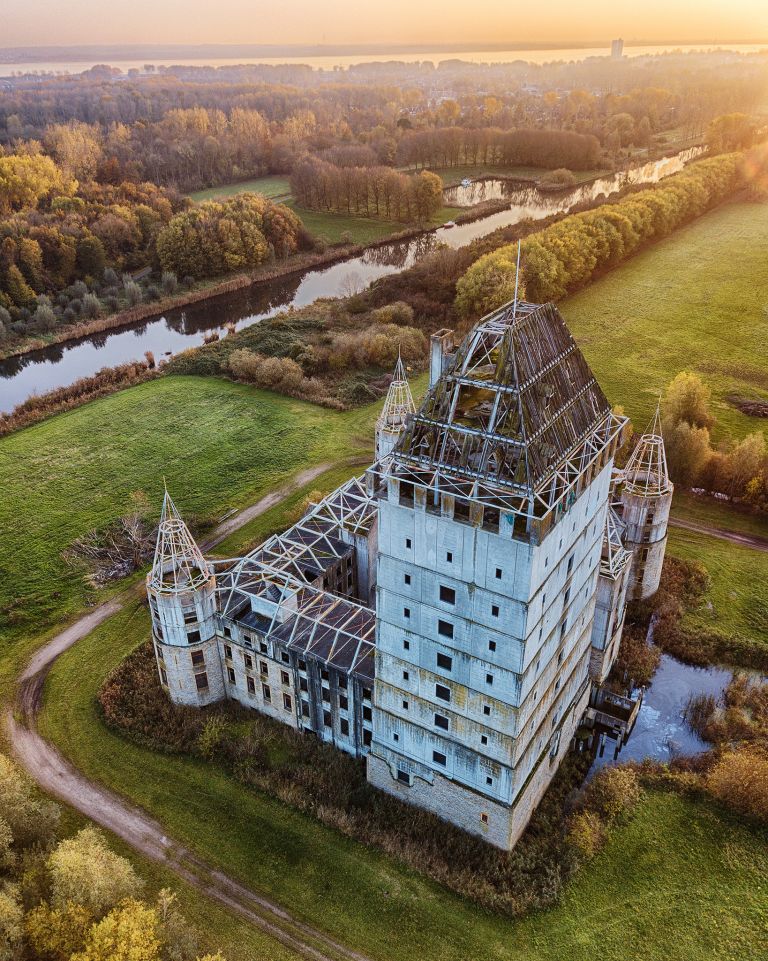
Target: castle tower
(610, 604)
(646, 499)
(181, 588)
(491, 519)
(397, 408)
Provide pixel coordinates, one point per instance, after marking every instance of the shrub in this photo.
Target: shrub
(740, 781)
(91, 306)
(612, 792)
(562, 177)
(169, 282)
(44, 318)
(586, 833)
(133, 292)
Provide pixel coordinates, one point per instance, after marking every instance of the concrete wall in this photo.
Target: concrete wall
(646, 519)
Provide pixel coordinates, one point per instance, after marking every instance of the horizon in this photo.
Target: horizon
(58, 23)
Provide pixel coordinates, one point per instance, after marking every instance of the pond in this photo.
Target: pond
(62, 364)
(660, 731)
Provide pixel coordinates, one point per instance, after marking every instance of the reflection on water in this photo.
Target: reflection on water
(660, 731)
(184, 327)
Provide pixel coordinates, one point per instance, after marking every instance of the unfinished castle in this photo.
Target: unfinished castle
(447, 615)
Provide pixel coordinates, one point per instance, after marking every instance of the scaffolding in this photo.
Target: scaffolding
(646, 471)
(615, 557)
(178, 565)
(516, 421)
(398, 405)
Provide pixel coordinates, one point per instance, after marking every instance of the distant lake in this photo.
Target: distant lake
(329, 62)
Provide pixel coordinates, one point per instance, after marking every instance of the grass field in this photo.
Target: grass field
(722, 514)
(274, 186)
(678, 882)
(736, 601)
(696, 301)
(219, 445)
(360, 230)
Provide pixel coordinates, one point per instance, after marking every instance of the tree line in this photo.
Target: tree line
(568, 254)
(455, 146)
(373, 191)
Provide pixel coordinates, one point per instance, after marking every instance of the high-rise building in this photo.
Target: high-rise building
(617, 49)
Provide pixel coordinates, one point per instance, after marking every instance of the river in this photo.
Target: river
(175, 330)
(326, 61)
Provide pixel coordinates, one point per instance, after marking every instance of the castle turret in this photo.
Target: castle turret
(181, 588)
(397, 408)
(646, 499)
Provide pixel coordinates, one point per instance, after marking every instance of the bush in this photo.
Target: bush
(133, 292)
(169, 282)
(586, 833)
(562, 177)
(740, 781)
(613, 792)
(91, 306)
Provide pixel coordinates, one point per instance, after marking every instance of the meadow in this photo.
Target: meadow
(695, 301)
(219, 446)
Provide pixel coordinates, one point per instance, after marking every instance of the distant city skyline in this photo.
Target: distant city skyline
(80, 22)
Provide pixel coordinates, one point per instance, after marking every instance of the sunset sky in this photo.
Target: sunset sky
(41, 22)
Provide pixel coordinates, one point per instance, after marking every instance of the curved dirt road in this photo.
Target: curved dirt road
(58, 777)
(753, 541)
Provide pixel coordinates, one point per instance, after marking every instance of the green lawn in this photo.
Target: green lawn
(275, 186)
(360, 230)
(722, 514)
(679, 882)
(219, 445)
(696, 301)
(736, 602)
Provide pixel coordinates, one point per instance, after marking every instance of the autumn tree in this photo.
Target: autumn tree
(687, 399)
(128, 933)
(26, 180)
(84, 870)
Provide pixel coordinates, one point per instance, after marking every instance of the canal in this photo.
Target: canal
(175, 330)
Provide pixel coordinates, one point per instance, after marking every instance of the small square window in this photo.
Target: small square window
(443, 692)
(489, 678)
(193, 637)
(201, 681)
(267, 694)
(198, 658)
(248, 661)
(406, 645)
(263, 667)
(231, 675)
(444, 661)
(406, 612)
(263, 647)
(284, 678)
(407, 578)
(407, 543)
(447, 594)
(486, 709)
(287, 702)
(441, 721)
(445, 629)
(491, 645)
(449, 556)
(406, 676)
(489, 780)
(228, 652)
(327, 718)
(483, 818)
(367, 714)
(285, 658)
(343, 702)
(405, 705)
(342, 682)
(227, 632)
(344, 727)
(302, 665)
(483, 738)
(367, 738)
(403, 776)
(494, 610)
(163, 677)
(439, 758)
(251, 685)
(570, 563)
(395, 737)
(498, 573)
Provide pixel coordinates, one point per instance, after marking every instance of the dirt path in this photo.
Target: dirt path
(753, 541)
(58, 777)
